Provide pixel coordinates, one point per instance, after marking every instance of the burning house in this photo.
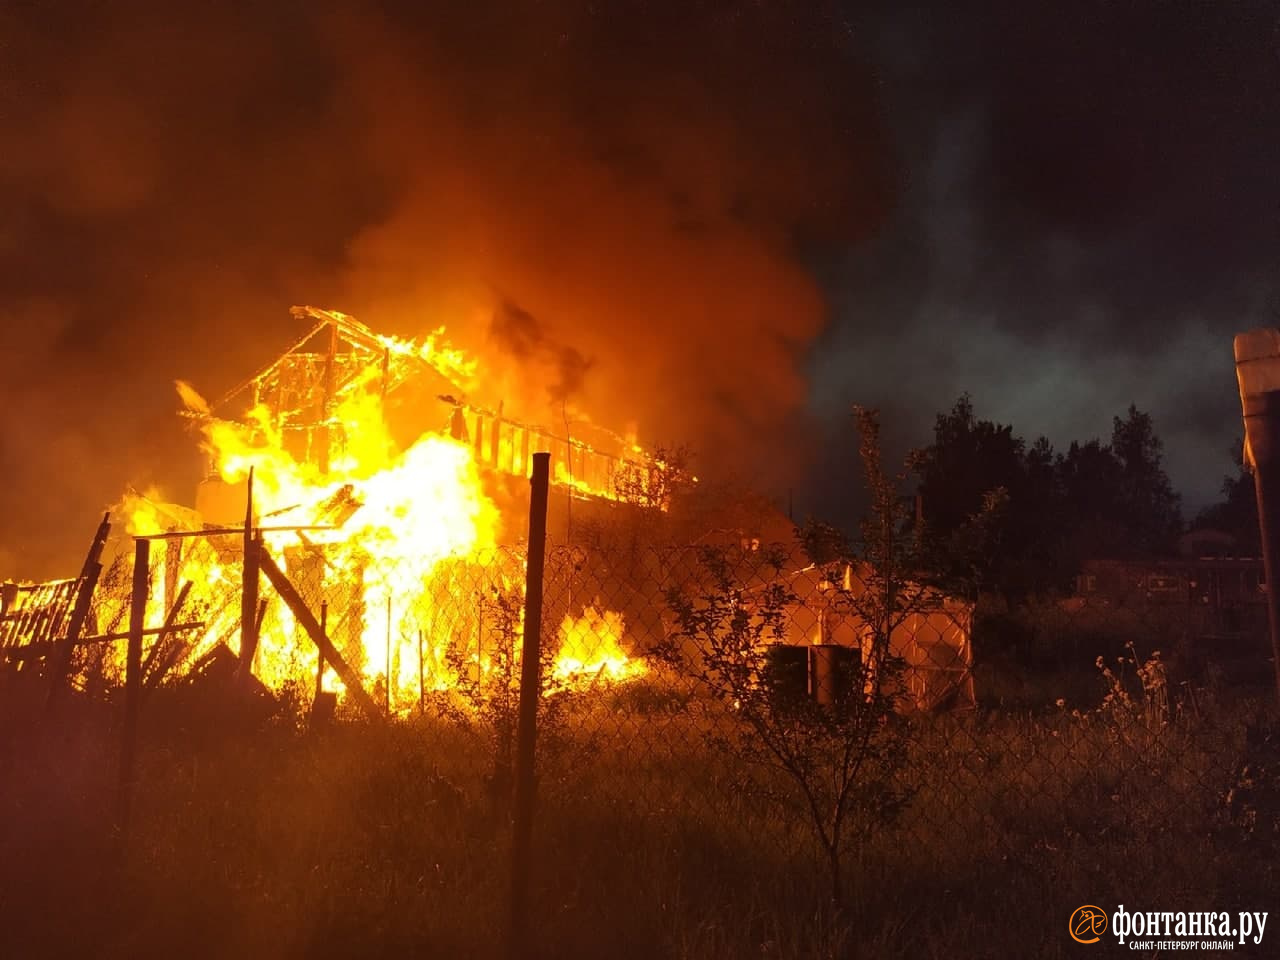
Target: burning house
(357, 473)
(318, 401)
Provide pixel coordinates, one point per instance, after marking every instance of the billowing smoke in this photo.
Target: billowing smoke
(617, 205)
(1087, 221)
(521, 336)
(608, 200)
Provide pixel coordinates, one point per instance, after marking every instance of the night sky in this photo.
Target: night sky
(728, 221)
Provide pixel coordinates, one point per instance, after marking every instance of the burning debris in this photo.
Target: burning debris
(395, 550)
(343, 398)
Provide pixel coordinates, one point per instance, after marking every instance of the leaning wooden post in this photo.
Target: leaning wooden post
(306, 619)
(157, 648)
(133, 681)
(324, 628)
(530, 687)
(330, 385)
(65, 648)
(249, 589)
(1257, 356)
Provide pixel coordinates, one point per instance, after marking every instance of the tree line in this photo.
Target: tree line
(1021, 519)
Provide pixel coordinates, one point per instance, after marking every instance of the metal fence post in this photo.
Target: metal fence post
(133, 680)
(526, 730)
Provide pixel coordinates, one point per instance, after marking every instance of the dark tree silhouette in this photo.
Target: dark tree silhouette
(1055, 511)
(988, 503)
(1151, 512)
(1089, 478)
(1237, 512)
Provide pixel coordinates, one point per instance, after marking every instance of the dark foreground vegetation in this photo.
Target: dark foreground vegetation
(356, 840)
(1117, 756)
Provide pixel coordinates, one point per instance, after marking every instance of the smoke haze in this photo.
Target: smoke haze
(721, 223)
(633, 180)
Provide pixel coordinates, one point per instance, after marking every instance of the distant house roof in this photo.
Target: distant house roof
(1208, 542)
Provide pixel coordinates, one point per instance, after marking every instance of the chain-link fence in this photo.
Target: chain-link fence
(739, 678)
(738, 708)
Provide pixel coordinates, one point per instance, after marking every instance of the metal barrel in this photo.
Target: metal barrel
(831, 672)
(787, 673)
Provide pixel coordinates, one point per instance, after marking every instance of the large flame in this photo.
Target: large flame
(591, 649)
(385, 537)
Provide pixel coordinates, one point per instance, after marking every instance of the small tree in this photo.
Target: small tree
(889, 564)
(484, 696)
(835, 764)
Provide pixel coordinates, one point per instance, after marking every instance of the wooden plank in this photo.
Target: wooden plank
(55, 612)
(149, 679)
(308, 621)
(28, 651)
(89, 575)
(28, 610)
(249, 587)
(61, 651)
(234, 531)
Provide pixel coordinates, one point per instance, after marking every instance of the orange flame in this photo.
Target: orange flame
(378, 528)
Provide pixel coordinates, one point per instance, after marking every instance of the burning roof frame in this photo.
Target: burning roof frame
(47, 619)
(302, 389)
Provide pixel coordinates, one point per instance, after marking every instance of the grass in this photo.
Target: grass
(260, 841)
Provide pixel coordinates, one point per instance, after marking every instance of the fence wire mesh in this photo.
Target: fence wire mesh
(809, 704)
(737, 715)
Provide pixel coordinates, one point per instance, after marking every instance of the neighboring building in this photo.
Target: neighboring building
(1228, 594)
(1207, 543)
(933, 639)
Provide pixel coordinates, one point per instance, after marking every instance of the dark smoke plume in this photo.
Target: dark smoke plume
(637, 176)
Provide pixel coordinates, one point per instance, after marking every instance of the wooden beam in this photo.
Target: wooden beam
(249, 587)
(40, 649)
(149, 679)
(326, 407)
(61, 650)
(233, 531)
(289, 594)
(89, 575)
